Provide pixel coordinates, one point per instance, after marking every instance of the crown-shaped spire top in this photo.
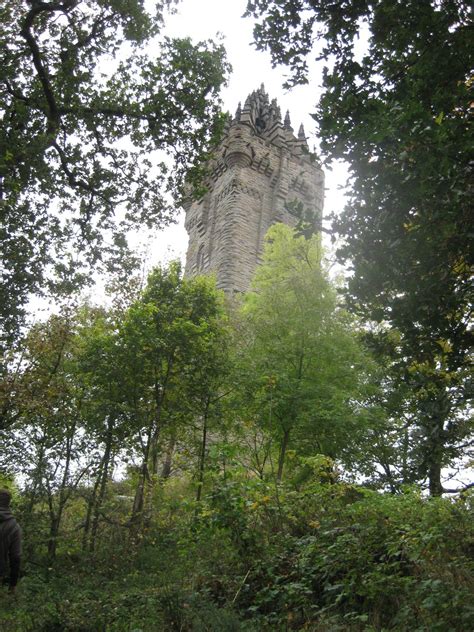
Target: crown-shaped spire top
(264, 117)
(287, 122)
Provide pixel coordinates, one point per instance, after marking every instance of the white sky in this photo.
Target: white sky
(203, 19)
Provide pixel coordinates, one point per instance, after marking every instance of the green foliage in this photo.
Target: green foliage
(82, 104)
(326, 556)
(145, 439)
(97, 386)
(396, 105)
(303, 353)
(388, 562)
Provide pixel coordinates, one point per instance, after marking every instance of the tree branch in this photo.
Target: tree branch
(460, 490)
(16, 93)
(37, 8)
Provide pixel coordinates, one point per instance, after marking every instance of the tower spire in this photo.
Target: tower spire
(259, 170)
(238, 113)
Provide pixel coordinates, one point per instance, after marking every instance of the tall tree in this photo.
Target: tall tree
(107, 419)
(47, 445)
(167, 338)
(398, 112)
(88, 91)
(303, 356)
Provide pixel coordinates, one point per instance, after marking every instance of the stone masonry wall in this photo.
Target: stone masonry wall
(261, 168)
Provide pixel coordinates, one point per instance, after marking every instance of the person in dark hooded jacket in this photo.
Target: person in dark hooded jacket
(10, 542)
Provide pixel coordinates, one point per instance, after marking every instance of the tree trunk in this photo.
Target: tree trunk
(435, 450)
(154, 450)
(32, 494)
(103, 477)
(56, 517)
(90, 508)
(281, 459)
(406, 474)
(139, 500)
(202, 457)
(53, 537)
(434, 478)
(166, 471)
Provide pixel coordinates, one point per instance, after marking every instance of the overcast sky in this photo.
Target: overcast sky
(203, 19)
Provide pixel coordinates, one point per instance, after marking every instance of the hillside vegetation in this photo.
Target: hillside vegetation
(187, 466)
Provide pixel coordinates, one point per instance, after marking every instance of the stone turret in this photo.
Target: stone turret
(261, 170)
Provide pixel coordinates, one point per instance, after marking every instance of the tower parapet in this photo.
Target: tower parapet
(260, 171)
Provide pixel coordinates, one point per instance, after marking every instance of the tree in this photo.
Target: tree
(84, 103)
(398, 113)
(204, 381)
(167, 338)
(107, 420)
(46, 443)
(94, 387)
(305, 365)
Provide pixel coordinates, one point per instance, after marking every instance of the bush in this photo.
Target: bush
(390, 562)
(323, 557)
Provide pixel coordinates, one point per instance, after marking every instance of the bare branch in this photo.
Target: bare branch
(460, 490)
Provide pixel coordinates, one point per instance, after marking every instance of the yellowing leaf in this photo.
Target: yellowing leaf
(445, 345)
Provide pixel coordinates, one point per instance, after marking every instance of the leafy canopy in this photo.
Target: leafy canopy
(398, 112)
(302, 350)
(89, 89)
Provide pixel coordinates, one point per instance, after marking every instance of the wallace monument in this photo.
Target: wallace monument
(260, 172)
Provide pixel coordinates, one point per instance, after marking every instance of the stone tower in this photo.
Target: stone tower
(260, 170)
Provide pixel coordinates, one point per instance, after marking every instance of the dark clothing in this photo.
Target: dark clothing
(10, 546)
